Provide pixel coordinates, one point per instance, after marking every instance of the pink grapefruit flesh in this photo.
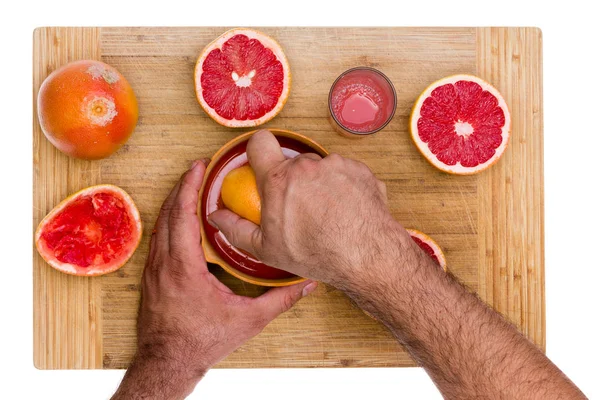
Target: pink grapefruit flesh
(461, 124)
(242, 78)
(93, 232)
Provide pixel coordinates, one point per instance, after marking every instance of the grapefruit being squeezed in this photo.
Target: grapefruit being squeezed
(242, 78)
(240, 193)
(93, 232)
(460, 124)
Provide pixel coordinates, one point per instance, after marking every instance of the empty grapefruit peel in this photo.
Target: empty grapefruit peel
(92, 232)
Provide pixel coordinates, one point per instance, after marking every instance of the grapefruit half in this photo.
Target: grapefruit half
(461, 124)
(240, 193)
(92, 232)
(429, 246)
(242, 78)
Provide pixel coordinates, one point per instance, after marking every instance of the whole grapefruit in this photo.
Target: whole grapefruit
(87, 109)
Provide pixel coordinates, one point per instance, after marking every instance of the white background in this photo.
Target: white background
(572, 152)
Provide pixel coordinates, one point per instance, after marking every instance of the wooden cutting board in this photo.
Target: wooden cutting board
(490, 225)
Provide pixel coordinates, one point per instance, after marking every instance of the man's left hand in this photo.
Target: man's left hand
(188, 321)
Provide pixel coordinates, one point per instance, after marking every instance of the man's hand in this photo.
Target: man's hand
(326, 219)
(188, 320)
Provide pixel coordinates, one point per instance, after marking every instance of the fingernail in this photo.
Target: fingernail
(194, 163)
(205, 161)
(308, 289)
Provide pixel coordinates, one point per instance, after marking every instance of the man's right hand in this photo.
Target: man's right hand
(325, 219)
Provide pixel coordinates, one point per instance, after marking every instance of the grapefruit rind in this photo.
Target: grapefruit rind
(437, 250)
(266, 41)
(458, 169)
(92, 270)
(84, 119)
(240, 193)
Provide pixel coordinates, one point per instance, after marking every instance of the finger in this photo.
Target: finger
(185, 203)
(162, 222)
(312, 156)
(150, 259)
(279, 300)
(382, 190)
(264, 153)
(161, 226)
(151, 249)
(184, 227)
(240, 232)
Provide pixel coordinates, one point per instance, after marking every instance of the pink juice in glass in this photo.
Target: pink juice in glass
(362, 101)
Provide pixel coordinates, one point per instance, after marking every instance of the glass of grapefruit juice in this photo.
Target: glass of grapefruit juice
(362, 101)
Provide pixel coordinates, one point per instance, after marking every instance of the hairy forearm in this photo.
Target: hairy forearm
(151, 378)
(469, 350)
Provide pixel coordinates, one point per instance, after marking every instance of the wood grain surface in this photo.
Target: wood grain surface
(489, 225)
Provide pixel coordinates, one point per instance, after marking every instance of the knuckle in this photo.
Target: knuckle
(302, 167)
(187, 183)
(178, 206)
(305, 163)
(256, 242)
(150, 276)
(175, 218)
(362, 168)
(166, 208)
(185, 205)
(176, 274)
(185, 178)
(276, 175)
(310, 156)
(335, 159)
(233, 236)
(176, 215)
(275, 180)
(153, 267)
(174, 282)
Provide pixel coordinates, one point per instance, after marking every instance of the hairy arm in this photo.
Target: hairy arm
(469, 350)
(156, 378)
(328, 219)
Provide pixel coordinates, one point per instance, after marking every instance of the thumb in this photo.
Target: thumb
(240, 232)
(279, 300)
(264, 153)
